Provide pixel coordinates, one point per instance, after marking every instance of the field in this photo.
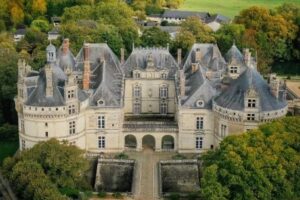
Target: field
(7, 149)
(230, 8)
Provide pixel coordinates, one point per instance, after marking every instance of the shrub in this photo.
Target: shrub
(121, 156)
(117, 195)
(102, 194)
(174, 196)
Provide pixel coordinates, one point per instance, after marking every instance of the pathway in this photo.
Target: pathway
(146, 175)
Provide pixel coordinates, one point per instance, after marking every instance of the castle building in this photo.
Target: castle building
(104, 104)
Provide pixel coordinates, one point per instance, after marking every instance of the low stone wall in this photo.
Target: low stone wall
(178, 176)
(114, 175)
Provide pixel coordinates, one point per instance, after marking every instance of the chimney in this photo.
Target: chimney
(49, 82)
(122, 56)
(65, 46)
(194, 67)
(182, 83)
(198, 55)
(179, 56)
(274, 85)
(247, 57)
(86, 67)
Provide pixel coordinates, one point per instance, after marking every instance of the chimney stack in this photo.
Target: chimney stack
(179, 56)
(49, 82)
(195, 67)
(198, 55)
(247, 57)
(86, 67)
(122, 56)
(66, 45)
(182, 83)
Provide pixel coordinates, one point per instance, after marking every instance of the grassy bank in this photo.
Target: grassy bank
(230, 8)
(8, 148)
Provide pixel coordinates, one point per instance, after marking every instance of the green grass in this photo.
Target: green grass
(230, 8)
(8, 149)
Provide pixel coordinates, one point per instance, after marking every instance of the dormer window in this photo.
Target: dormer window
(164, 76)
(100, 102)
(233, 70)
(71, 94)
(137, 75)
(251, 103)
(200, 103)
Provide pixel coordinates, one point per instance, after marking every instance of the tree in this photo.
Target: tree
(229, 34)
(16, 11)
(8, 77)
(201, 32)
(31, 182)
(154, 37)
(184, 40)
(40, 172)
(40, 25)
(260, 164)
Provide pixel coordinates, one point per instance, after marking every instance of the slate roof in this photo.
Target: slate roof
(235, 57)
(38, 95)
(185, 14)
(233, 97)
(212, 59)
(161, 57)
(106, 75)
(218, 18)
(198, 87)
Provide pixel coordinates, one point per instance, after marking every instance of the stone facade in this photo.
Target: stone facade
(101, 104)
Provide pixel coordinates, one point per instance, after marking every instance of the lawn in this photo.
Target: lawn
(8, 149)
(230, 8)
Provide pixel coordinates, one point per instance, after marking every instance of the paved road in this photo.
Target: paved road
(146, 175)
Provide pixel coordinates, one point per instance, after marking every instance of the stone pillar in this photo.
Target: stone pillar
(247, 57)
(157, 143)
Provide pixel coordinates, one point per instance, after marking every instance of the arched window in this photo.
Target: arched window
(163, 92)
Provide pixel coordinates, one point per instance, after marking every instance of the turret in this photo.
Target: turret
(51, 53)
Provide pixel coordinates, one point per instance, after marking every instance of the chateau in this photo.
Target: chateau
(101, 103)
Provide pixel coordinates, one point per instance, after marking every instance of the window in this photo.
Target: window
(250, 117)
(71, 94)
(101, 142)
(164, 75)
(72, 109)
(46, 124)
(200, 103)
(199, 142)
(136, 108)
(199, 123)
(223, 130)
(251, 103)
(23, 145)
(233, 70)
(137, 75)
(163, 108)
(22, 125)
(163, 92)
(72, 143)
(137, 91)
(101, 121)
(72, 127)
(46, 134)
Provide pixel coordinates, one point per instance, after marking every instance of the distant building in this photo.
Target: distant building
(177, 16)
(53, 34)
(172, 30)
(19, 34)
(293, 96)
(216, 21)
(56, 21)
(104, 104)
